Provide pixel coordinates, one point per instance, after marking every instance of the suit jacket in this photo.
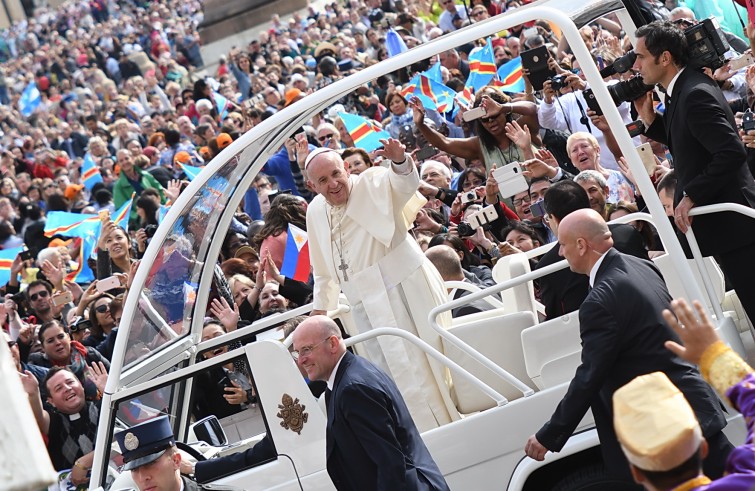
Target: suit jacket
(372, 442)
(709, 160)
(79, 144)
(623, 335)
(564, 291)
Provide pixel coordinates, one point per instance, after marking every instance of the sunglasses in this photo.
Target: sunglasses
(42, 294)
(489, 118)
(101, 309)
(50, 186)
(325, 137)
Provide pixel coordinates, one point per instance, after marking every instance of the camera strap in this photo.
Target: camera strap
(584, 119)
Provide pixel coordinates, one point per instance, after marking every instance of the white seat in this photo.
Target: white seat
(550, 341)
(477, 316)
(560, 370)
(497, 338)
(520, 298)
(675, 284)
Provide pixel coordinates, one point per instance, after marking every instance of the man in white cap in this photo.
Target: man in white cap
(657, 428)
(359, 243)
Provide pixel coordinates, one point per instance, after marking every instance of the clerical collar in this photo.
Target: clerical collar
(671, 84)
(594, 270)
(332, 378)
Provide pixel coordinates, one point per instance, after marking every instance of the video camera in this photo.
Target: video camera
(706, 46)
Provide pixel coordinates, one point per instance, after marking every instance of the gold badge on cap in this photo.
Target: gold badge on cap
(131, 442)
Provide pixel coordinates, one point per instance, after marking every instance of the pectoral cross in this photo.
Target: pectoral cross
(343, 267)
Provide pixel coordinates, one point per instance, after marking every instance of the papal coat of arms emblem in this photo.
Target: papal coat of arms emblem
(292, 413)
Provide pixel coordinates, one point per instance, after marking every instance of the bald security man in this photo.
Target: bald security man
(372, 442)
(623, 334)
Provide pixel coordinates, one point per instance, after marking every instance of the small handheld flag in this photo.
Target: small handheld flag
(296, 256)
(30, 99)
(365, 133)
(90, 174)
(394, 44)
(511, 76)
(481, 67)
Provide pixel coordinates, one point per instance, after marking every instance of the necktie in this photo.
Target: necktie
(327, 397)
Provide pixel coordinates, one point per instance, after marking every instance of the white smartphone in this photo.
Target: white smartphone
(62, 298)
(531, 32)
(474, 113)
(107, 284)
(645, 151)
(510, 180)
(741, 62)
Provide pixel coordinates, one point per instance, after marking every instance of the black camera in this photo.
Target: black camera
(150, 230)
(628, 90)
(80, 324)
(465, 230)
(558, 82)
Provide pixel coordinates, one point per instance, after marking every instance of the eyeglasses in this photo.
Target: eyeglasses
(49, 186)
(42, 294)
(101, 309)
(325, 137)
(307, 350)
(520, 201)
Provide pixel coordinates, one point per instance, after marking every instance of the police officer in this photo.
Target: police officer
(149, 452)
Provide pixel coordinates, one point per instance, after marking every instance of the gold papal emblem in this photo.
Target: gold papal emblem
(131, 442)
(292, 413)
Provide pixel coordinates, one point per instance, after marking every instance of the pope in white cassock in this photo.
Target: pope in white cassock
(359, 243)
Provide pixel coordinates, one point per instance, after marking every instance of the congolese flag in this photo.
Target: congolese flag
(365, 133)
(481, 67)
(90, 174)
(511, 77)
(296, 256)
(6, 259)
(442, 97)
(190, 171)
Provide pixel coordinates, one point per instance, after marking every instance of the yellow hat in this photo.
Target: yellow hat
(654, 423)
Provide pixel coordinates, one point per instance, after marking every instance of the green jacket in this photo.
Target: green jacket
(122, 190)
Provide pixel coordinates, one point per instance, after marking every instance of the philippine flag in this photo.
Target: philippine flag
(296, 256)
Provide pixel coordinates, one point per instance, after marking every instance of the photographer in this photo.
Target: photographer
(567, 109)
(709, 157)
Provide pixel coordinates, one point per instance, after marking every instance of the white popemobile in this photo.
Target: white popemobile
(508, 370)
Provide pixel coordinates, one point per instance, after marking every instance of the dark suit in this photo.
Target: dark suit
(564, 291)
(372, 442)
(623, 333)
(78, 145)
(710, 164)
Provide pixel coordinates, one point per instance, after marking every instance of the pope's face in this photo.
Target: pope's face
(328, 177)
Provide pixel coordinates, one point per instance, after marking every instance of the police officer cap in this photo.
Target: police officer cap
(145, 442)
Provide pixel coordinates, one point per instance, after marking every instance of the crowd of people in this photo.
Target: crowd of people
(123, 85)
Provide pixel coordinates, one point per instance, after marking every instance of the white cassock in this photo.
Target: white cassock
(389, 282)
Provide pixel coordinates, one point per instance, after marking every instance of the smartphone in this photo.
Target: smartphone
(107, 284)
(472, 114)
(538, 208)
(26, 255)
(741, 61)
(426, 152)
(531, 32)
(645, 152)
(748, 121)
(592, 101)
(104, 215)
(62, 298)
(510, 180)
